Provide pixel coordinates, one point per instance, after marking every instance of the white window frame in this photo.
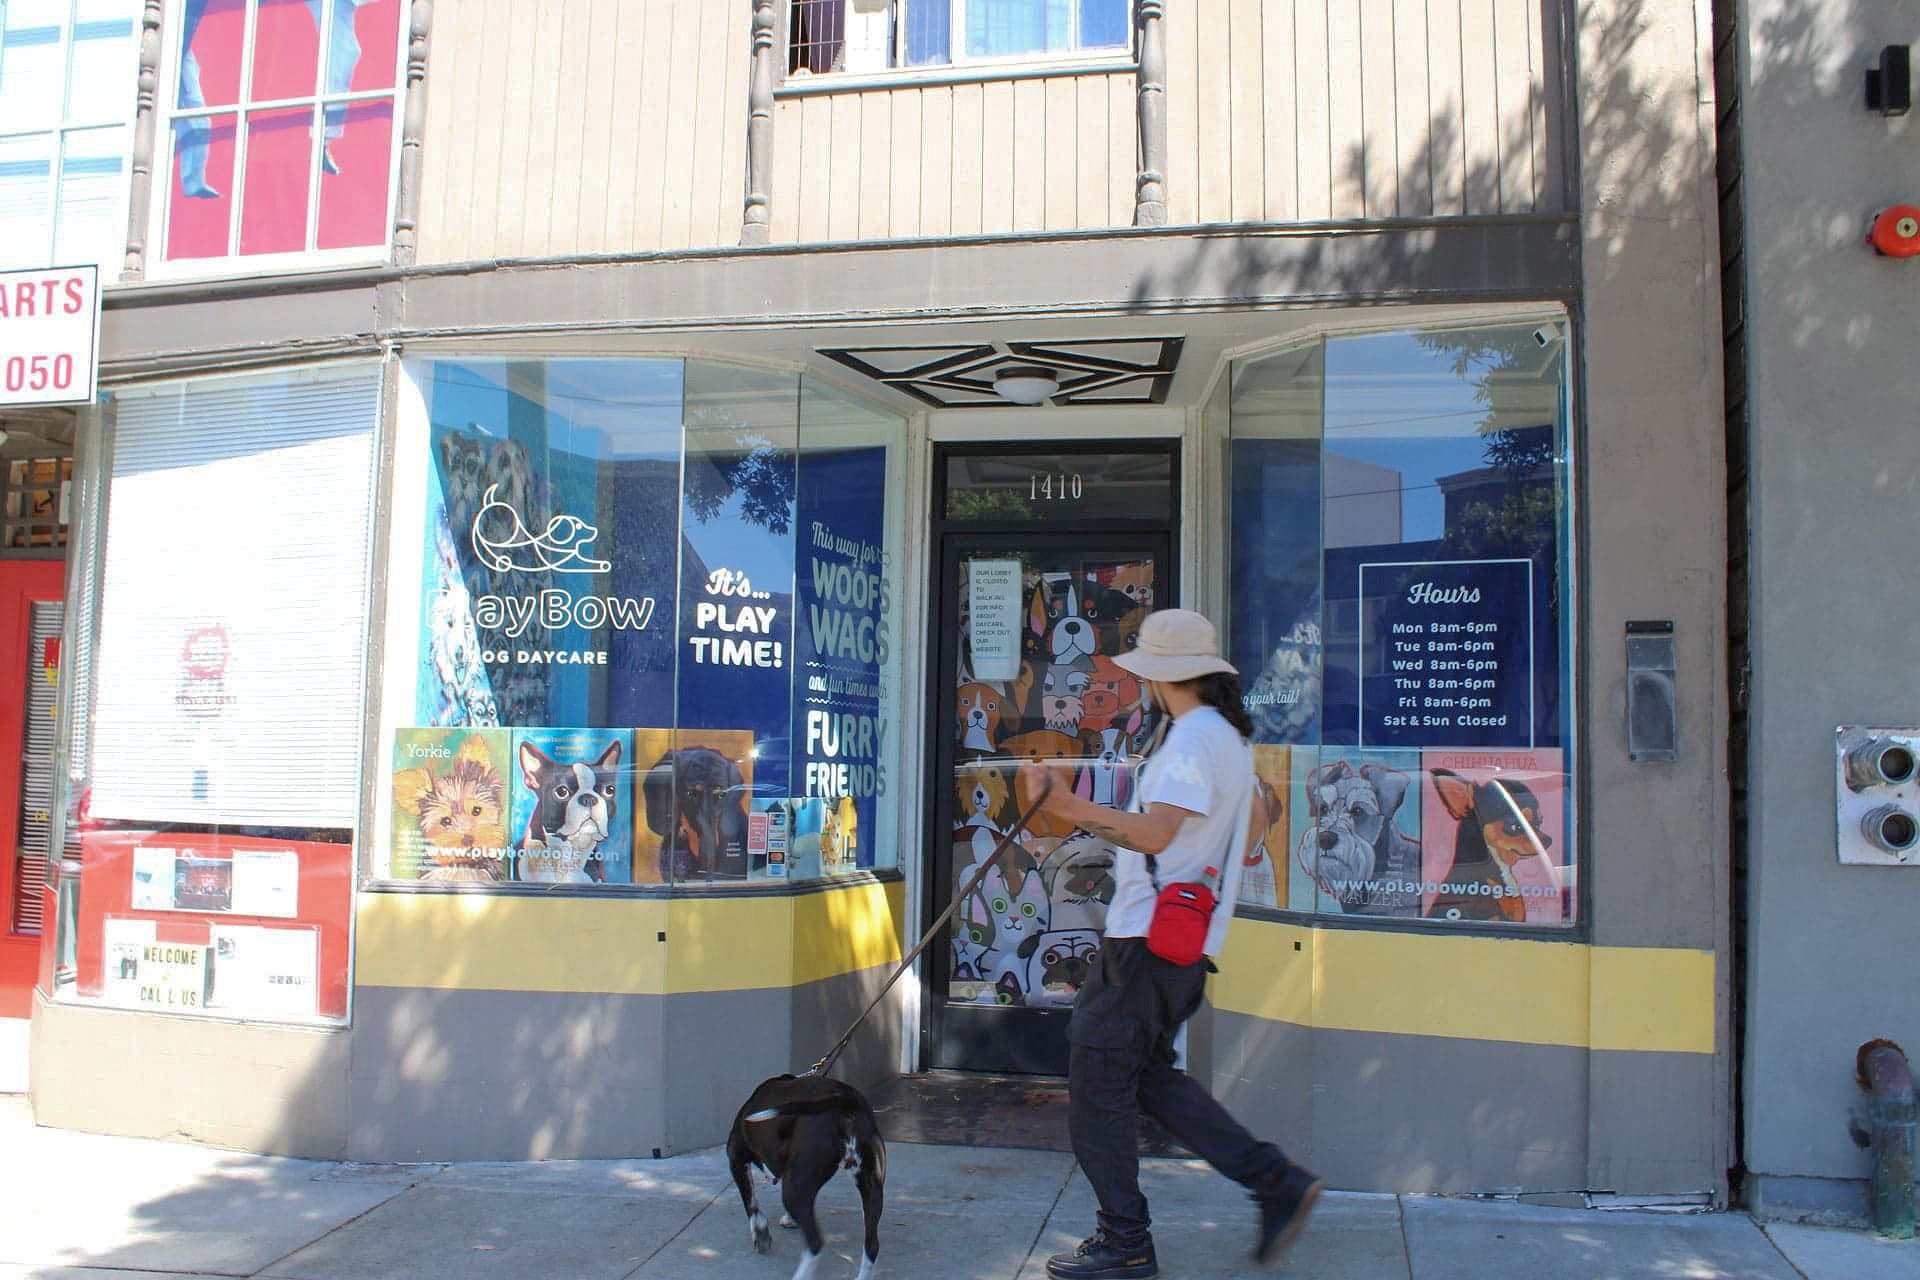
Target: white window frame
(66, 124)
(958, 61)
(233, 262)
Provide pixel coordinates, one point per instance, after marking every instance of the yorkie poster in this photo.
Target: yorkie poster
(450, 805)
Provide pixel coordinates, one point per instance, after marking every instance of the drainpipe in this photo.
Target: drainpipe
(1888, 1080)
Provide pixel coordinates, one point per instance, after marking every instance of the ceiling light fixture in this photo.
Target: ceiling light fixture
(1026, 384)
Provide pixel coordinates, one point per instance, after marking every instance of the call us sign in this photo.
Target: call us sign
(49, 335)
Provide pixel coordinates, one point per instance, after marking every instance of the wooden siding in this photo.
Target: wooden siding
(988, 158)
(620, 126)
(1303, 110)
(597, 126)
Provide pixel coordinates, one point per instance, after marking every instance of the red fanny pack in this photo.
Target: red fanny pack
(1181, 915)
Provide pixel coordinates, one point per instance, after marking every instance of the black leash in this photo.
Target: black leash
(1006, 842)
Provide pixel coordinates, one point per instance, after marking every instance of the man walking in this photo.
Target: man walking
(1193, 817)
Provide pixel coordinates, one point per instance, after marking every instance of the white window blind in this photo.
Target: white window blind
(234, 602)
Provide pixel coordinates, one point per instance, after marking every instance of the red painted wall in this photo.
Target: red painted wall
(22, 582)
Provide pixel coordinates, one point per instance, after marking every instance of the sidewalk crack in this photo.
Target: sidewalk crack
(665, 1244)
(1775, 1246)
(340, 1226)
(1073, 1167)
(1406, 1245)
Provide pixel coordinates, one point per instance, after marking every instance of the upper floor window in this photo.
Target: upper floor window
(873, 35)
(283, 119)
(66, 106)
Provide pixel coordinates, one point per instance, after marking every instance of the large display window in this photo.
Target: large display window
(212, 772)
(652, 642)
(1400, 565)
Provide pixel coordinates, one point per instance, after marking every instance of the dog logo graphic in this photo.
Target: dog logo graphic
(560, 547)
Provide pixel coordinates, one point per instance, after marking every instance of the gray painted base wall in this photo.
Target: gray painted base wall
(453, 1075)
(275, 1090)
(1425, 1114)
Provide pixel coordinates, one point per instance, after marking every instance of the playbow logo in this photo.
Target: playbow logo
(560, 547)
(503, 543)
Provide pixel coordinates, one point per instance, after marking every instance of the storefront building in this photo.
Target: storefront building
(567, 560)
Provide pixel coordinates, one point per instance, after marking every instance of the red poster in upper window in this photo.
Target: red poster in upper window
(320, 79)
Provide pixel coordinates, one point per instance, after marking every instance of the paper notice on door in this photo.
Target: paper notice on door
(266, 882)
(993, 618)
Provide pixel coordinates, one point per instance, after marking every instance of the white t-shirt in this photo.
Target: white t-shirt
(1206, 767)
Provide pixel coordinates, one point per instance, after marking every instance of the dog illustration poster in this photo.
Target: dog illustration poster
(1494, 839)
(691, 812)
(1356, 829)
(450, 805)
(572, 806)
(1267, 874)
(826, 836)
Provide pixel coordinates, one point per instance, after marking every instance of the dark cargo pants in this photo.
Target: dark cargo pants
(1121, 1064)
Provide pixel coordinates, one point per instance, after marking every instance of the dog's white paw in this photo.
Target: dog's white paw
(786, 1220)
(762, 1238)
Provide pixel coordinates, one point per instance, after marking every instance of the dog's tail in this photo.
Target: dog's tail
(806, 1107)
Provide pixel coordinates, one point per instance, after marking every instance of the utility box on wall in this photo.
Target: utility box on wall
(1877, 795)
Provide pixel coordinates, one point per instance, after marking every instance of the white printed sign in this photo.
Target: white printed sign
(49, 335)
(993, 618)
(265, 971)
(266, 882)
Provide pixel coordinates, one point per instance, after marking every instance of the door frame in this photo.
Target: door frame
(937, 745)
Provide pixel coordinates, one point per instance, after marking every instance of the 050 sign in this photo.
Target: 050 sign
(40, 373)
(49, 333)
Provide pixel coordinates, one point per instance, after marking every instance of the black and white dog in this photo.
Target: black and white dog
(799, 1131)
(574, 812)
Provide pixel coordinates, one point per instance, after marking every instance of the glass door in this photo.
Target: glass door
(1030, 622)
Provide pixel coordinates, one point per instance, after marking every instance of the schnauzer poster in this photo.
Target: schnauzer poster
(450, 805)
(1356, 829)
(572, 806)
(693, 794)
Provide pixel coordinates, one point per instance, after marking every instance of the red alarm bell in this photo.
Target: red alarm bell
(1896, 231)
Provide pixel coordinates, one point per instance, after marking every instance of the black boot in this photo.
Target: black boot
(1099, 1258)
(1284, 1207)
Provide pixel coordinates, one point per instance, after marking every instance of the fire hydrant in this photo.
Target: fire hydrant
(1888, 1080)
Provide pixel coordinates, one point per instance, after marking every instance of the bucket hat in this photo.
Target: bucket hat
(1175, 645)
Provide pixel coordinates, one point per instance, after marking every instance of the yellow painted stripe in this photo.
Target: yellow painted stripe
(476, 942)
(1653, 998)
(1516, 990)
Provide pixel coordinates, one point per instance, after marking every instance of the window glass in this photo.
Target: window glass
(26, 199)
(1400, 562)
(834, 35)
(663, 579)
(328, 68)
(93, 175)
(66, 96)
(214, 787)
(30, 70)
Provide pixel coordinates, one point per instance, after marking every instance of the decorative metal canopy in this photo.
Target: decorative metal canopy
(1093, 371)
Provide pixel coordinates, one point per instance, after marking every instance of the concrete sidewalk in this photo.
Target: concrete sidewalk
(82, 1207)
